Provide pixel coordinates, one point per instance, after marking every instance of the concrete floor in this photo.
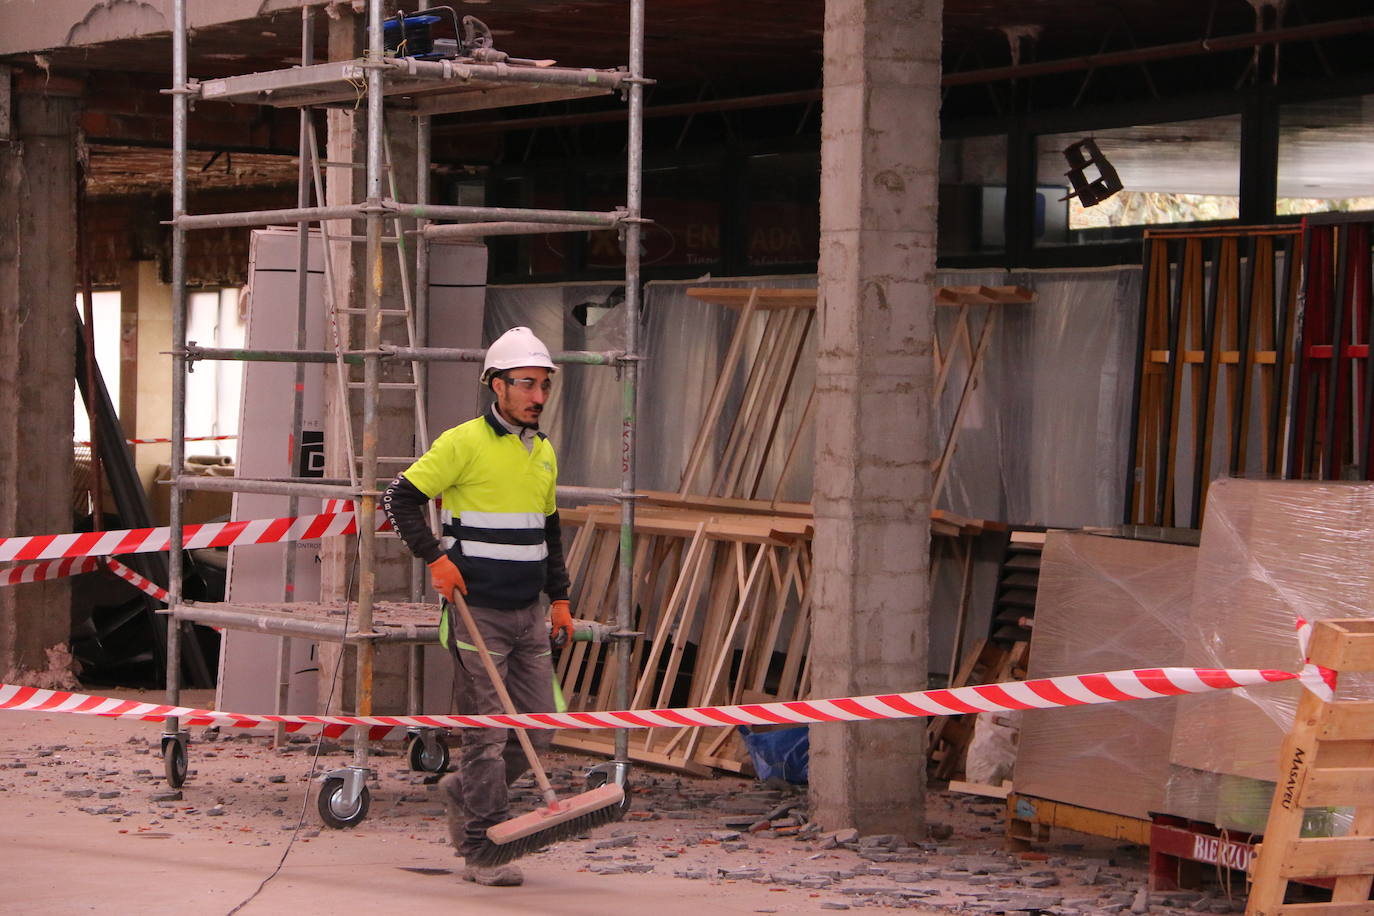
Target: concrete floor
(66, 849)
(57, 859)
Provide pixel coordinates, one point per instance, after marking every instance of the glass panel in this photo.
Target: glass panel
(783, 222)
(973, 194)
(1178, 172)
(213, 390)
(1326, 156)
(105, 313)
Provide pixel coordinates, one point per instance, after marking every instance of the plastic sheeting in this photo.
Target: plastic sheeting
(1272, 551)
(1044, 442)
(1046, 439)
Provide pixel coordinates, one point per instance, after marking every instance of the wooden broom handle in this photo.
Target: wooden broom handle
(476, 636)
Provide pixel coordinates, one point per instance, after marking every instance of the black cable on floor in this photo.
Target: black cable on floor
(315, 760)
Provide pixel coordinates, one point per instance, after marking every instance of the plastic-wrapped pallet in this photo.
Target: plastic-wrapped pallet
(1272, 551)
(1105, 603)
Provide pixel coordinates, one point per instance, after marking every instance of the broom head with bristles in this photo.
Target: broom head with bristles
(531, 832)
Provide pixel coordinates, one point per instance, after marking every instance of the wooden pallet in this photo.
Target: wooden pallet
(1327, 760)
(1029, 819)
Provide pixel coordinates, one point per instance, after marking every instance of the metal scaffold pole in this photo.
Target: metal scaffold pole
(173, 739)
(633, 231)
(418, 579)
(305, 152)
(372, 339)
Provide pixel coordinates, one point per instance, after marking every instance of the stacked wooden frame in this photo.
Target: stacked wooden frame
(780, 320)
(1217, 342)
(715, 594)
(722, 566)
(1330, 437)
(721, 569)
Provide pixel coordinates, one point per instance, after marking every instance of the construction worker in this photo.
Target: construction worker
(501, 547)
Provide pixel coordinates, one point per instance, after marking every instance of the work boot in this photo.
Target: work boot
(457, 812)
(507, 875)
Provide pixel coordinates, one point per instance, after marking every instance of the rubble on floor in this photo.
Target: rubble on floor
(718, 830)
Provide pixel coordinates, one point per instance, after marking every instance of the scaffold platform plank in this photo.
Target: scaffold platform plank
(437, 89)
(392, 621)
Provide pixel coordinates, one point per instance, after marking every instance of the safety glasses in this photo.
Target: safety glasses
(528, 384)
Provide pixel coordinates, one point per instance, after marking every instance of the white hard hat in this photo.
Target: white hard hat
(515, 349)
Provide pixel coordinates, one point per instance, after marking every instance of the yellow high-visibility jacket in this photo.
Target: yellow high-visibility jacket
(501, 523)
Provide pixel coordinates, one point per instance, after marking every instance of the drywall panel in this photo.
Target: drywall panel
(248, 661)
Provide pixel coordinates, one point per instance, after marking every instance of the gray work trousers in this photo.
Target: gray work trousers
(491, 758)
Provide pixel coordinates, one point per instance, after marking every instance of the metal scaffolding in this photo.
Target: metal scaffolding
(479, 77)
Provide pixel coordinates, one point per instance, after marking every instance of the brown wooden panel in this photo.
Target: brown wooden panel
(1327, 857)
(1345, 645)
(1337, 787)
(1352, 721)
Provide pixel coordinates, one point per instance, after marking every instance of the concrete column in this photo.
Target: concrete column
(879, 161)
(37, 364)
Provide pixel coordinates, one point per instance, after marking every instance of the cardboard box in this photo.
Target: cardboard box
(197, 506)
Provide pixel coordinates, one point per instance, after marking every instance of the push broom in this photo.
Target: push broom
(559, 819)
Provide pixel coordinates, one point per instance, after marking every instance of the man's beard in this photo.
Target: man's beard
(510, 415)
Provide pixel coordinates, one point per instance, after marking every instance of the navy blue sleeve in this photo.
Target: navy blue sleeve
(557, 583)
(404, 504)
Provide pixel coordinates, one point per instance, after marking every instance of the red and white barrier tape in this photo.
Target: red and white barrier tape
(1319, 680)
(1043, 693)
(75, 566)
(156, 441)
(142, 583)
(151, 540)
(52, 569)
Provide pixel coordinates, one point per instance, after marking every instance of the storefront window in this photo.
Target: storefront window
(1326, 156)
(1177, 172)
(783, 222)
(973, 194)
(684, 204)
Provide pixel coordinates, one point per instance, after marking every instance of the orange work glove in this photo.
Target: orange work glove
(446, 577)
(560, 621)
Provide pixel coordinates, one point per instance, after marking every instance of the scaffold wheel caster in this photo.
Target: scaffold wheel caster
(427, 758)
(334, 808)
(598, 777)
(174, 762)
